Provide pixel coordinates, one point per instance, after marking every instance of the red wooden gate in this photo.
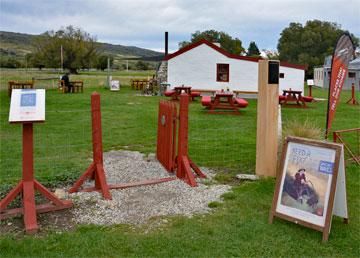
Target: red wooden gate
(166, 140)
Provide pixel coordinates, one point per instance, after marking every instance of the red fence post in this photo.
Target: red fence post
(310, 90)
(96, 168)
(184, 163)
(353, 100)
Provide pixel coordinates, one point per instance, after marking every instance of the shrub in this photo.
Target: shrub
(306, 129)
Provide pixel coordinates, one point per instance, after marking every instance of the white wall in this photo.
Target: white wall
(319, 77)
(197, 68)
(293, 78)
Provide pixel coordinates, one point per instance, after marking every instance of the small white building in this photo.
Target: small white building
(322, 74)
(206, 66)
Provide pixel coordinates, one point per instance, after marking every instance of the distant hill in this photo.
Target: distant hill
(17, 45)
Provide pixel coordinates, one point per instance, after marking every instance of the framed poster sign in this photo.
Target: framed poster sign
(115, 86)
(307, 182)
(27, 105)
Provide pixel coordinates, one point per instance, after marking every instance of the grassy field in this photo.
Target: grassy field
(237, 227)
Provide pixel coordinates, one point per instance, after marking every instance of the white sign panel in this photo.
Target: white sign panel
(310, 82)
(27, 105)
(115, 86)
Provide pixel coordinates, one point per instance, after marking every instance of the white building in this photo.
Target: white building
(322, 74)
(206, 66)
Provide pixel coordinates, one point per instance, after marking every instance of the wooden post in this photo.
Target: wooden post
(26, 188)
(267, 118)
(184, 163)
(353, 100)
(96, 168)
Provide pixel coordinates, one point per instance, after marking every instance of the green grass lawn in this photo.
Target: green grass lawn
(237, 227)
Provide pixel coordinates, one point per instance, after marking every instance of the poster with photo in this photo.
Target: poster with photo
(310, 178)
(306, 182)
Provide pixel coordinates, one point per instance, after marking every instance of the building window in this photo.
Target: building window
(351, 75)
(222, 72)
(282, 75)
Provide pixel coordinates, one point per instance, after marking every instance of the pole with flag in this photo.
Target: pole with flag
(343, 53)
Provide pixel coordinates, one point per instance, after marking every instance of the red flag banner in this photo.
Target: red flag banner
(343, 53)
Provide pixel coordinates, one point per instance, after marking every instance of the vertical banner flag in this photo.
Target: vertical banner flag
(343, 53)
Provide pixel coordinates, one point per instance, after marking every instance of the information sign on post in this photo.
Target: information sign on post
(27, 105)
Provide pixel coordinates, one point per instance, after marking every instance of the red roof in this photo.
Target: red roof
(225, 53)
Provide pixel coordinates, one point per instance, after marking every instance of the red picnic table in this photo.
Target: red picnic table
(292, 96)
(224, 100)
(174, 94)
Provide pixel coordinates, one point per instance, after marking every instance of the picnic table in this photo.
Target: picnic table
(224, 100)
(78, 86)
(139, 84)
(292, 96)
(174, 94)
(19, 85)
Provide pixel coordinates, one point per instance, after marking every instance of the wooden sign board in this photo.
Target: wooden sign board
(310, 185)
(27, 105)
(115, 86)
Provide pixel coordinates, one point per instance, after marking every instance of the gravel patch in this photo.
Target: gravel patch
(138, 204)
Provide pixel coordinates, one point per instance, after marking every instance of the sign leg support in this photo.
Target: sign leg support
(27, 186)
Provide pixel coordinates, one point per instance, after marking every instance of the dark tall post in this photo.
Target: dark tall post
(166, 43)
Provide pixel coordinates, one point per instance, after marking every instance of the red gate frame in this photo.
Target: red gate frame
(96, 168)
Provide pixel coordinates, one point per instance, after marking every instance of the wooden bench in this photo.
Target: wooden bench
(237, 92)
(212, 92)
(242, 103)
(19, 85)
(206, 101)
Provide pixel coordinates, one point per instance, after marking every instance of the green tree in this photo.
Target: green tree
(141, 65)
(102, 62)
(232, 45)
(309, 44)
(253, 50)
(79, 49)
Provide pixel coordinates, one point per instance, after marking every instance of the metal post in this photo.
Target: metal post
(108, 72)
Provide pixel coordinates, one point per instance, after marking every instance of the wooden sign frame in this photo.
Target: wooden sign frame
(320, 220)
(27, 106)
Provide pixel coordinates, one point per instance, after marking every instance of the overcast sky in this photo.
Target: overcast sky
(142, 23)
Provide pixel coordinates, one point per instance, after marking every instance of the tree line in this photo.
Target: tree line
(305, 44)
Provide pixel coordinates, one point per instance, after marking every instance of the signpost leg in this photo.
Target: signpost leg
(28, 177)
(27, 187)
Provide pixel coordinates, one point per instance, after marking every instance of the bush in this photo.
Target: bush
(306, 129)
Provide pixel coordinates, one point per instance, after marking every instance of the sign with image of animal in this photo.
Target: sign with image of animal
(306, 183)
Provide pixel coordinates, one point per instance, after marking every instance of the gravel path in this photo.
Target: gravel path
(138, 204)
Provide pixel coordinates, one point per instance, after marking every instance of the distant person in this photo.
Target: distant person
(68, 84)
(300, 183)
